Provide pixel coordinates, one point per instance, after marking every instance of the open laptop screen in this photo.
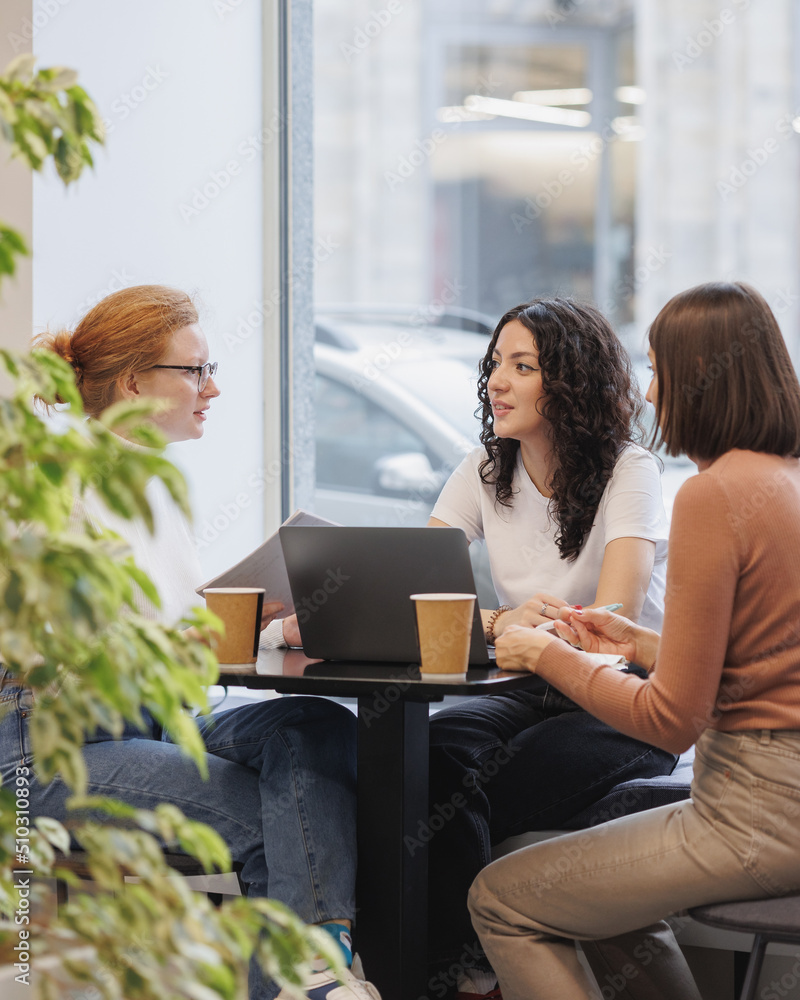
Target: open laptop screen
(352, 588)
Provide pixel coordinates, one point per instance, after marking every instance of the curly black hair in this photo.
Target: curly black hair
(590, 400)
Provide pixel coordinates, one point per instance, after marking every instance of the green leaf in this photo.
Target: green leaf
(103, 803)
(12, 245)
(13, 594)
(7, 111)
(34, 144)
(13, 239)
(144, 582)
(21, 68)
(55, 833)
(59, 77)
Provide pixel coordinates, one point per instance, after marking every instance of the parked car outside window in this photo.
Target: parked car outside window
(396, 395)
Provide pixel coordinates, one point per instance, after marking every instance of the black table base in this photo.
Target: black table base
(392, 861)
(392, 884)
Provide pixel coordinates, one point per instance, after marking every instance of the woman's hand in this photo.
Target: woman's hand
(519, 648)
(598, 631)
(269, 612)
(539, 609)
(291, 631)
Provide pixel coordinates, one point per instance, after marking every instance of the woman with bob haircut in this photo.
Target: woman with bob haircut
(724, 672)
(281, 773)
(570, 508)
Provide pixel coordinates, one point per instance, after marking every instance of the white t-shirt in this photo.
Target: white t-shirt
(521, 539)
(168, 556)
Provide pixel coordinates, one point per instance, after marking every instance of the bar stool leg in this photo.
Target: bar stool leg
(754, 968)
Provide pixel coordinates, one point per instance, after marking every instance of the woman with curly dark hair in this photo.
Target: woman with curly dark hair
(570, 508)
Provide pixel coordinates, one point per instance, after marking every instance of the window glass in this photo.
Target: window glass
(472, 155)
(353, 435)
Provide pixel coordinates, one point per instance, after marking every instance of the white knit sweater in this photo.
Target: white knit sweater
(168, 555)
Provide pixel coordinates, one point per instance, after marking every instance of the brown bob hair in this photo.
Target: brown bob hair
(128, 331)
(725, 378)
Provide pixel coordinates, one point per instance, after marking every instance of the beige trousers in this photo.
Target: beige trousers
(738, 837)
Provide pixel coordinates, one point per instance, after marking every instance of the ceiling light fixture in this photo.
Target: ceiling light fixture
(527, 112)
(575, 95)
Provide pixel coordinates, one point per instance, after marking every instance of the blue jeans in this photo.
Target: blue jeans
(503, 765)
(280, 792)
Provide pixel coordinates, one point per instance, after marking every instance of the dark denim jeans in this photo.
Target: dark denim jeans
(280, 791)
(503, 765)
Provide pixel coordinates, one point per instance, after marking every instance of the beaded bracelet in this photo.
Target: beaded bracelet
(492, 619)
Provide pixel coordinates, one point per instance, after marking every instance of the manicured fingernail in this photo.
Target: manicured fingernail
(577, 607)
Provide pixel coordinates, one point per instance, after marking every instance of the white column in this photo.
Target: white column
(718, 165)
(16, 194)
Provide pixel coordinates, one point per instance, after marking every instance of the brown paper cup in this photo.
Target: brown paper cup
(444, 627)
(240, 611)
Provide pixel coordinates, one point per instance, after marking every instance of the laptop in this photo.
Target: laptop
(351, 588)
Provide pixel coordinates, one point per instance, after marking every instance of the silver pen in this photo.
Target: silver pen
(550, 626)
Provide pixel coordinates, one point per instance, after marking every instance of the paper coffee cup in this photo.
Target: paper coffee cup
(240, 611)
(444, 628)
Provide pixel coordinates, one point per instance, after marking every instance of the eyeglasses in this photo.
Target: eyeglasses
(204, 372)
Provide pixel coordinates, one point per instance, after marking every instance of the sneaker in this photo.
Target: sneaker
(478, 984)
(325, 986)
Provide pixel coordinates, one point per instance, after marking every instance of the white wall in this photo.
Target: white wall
(176, 198)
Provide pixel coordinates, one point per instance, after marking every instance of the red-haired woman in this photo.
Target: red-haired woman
(281, 773)
(724, 672)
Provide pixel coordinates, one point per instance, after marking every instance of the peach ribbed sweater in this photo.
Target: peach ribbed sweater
(729, 655)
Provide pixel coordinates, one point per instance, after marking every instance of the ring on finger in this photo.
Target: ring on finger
(544, 610)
